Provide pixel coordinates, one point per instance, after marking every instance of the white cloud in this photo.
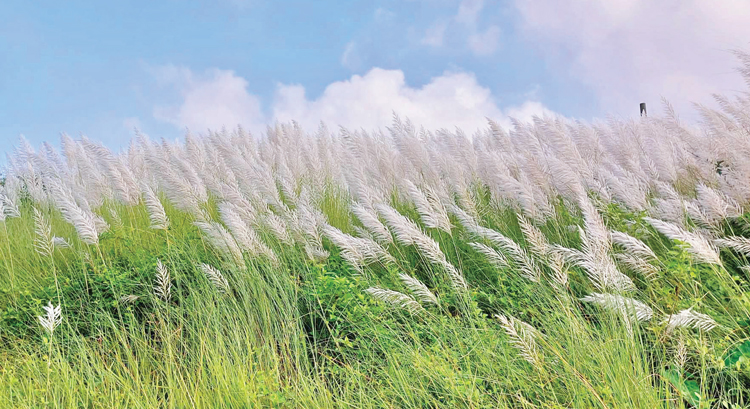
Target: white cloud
(209, 101)
(630, 51)
(221, 98)
(368, 101)
(485, 43)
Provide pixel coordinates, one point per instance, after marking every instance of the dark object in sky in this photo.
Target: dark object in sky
(643, 109)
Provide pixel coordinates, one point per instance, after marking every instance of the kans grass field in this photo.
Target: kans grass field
(556, 265)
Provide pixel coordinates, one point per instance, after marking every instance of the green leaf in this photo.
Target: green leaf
(735, 354)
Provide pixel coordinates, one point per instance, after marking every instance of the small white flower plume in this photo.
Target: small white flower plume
(418, 288)
(690, 319)
(699, 246)
(52, 319)
(522, 337)
(629, 307)
(216, 278)
(163, 287)
(395, 298)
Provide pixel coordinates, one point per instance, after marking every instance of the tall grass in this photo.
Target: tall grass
(556, 265)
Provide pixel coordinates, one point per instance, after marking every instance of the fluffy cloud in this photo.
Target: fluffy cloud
(454, 99)
(630, 51)
(208, 101)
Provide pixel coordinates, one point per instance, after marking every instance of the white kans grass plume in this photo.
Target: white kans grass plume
(409, 234)
(163, 286)
(527, 266)
(534, 237)
(423, 294)
(632, 245)
(244, 235)
(156, 213)
(698, 246)
(129, 299)
(215, 277)
(638, 265)
(495, 257)
(690, 319)
(359, 252)
(596, 261)
(222, 240)
(52, 319)
(43, 242)
(370, 221)
(737, 243)
(628, 307)
(429, 207)
(396, 299)
(85, 222)
(60, 242)
(523, 337)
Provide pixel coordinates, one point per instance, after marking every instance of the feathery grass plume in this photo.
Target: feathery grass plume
(156, 213)
(689, 318)
(528, 267)
(423, 294)
(315, 253)
(526, 264)
(60, 242)
(715, 205)
(698, 246)
(737, 243)
(309, 219)
(84, 222)
(222, 240)
(634, 246)
(698, 216)
(534, 237)
(245, 236)
(638, 265)
(371, 222)
(163, 287)
(556, 263)
(595, 260)
(680, 353)
(431, 211)
(43, 241)
(215, 277)
(9, 207)
(129, 299)
(409, 234)
(278, 227)
(53, 318)
(357, 251)
(523, 338)
(495, 257)
(395, 298)
(630, 308)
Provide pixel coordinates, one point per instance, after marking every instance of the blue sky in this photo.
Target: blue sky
(102, 68)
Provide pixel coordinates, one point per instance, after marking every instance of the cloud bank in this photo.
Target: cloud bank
(220, 98)
(631, 51)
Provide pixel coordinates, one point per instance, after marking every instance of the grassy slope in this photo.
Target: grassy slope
(300, 334)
